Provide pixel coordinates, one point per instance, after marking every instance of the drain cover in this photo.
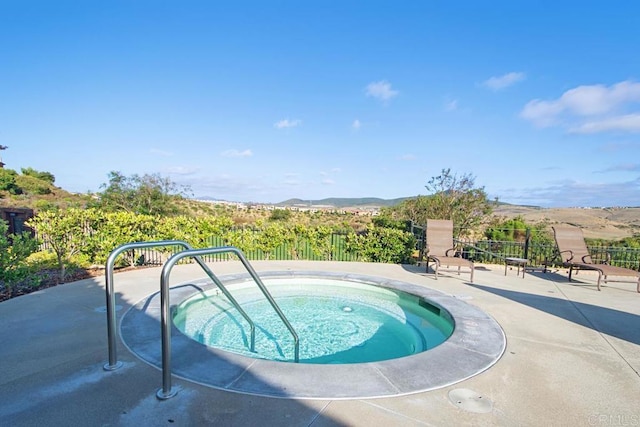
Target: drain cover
(470, 401)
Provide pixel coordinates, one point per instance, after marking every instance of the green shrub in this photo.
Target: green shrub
(280, 215)
(43, 260)
(32, 185)
(40, 176)
(14, 251)
(510, 230)
(8, 181)
(380, 244)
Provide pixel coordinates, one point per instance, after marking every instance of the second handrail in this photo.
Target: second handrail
(165, 392)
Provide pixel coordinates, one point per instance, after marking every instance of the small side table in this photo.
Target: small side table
(518, 262)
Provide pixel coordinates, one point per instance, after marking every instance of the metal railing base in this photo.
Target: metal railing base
(108, 367)
(162, 395)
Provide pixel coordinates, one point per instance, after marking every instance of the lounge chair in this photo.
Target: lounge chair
(575, 255)
(440, 248)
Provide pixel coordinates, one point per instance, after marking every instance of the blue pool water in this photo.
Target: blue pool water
(337, 321)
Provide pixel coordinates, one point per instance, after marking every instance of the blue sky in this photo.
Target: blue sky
(266, 101)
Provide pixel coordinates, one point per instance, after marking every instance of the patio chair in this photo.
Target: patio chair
(575, 255)
(440, 247)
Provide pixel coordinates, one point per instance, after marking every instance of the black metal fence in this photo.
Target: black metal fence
(301, 251)
(482, 251)
(545, 255)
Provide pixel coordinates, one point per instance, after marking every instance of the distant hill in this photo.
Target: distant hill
(345, 202)
(348, 202)
(596, 223)
(602, 223)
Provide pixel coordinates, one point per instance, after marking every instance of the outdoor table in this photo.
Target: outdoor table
(518, 262)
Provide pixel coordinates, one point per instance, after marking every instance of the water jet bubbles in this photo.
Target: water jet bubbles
(347, 309)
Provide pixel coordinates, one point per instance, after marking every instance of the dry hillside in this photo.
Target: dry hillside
(597, 223)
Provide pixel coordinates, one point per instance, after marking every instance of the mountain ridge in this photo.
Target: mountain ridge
(343, 202)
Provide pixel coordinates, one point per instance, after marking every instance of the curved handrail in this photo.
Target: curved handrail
(111, 298)
(165, 392)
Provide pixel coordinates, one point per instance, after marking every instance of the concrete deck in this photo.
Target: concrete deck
(572, 358)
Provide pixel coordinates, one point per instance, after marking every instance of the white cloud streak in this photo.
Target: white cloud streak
(182, 170)
(286, 123)
(381, 90)
(589, 109)
(626, 123)
(572, 193)
(237, 153)
(504, 81)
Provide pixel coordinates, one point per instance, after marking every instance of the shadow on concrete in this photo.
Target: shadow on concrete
(54, 349)
(444, 273)
(141, 322)
(619, 324)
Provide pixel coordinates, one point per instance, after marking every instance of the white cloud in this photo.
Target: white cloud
(331, 171)
(572, 193)
(408, 157)
(628, 123)
(381, 90)
(236, 153)
(504, 81)
(328, 181)
(601, 104)
(181, 170)
(356, 124)
(542, 113)
(286, 123)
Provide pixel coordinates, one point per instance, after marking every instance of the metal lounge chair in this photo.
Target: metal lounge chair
(575, 255)
(440, 247)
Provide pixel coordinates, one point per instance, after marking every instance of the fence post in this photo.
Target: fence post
(527, 237)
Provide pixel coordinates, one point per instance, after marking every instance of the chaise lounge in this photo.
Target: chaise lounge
(575, 255)
(440, 247)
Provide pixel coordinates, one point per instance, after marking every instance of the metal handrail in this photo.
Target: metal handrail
(111, 298)
(165, 392)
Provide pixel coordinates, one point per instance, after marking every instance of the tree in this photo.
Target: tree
(411, 209)
(62, 232)
(458, 199)
(452, 197)
(147, 194)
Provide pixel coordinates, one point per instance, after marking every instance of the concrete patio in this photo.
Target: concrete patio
(572, 358)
